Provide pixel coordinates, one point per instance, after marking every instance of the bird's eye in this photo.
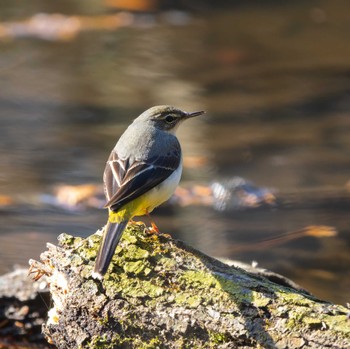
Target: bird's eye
(169, 119)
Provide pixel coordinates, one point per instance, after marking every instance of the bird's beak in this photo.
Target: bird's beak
(195, 113)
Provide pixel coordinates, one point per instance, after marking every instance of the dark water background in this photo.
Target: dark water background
(274, 80)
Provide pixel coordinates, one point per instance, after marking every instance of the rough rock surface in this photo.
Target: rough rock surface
(160, 293)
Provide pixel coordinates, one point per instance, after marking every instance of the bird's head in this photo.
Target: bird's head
(166, 118)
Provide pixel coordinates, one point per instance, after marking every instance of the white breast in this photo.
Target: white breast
(164, 190)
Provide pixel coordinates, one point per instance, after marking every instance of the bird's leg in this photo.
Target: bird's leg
(132, 222)
(154, 229)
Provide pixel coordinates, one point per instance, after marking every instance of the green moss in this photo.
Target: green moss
(86, 271)
(118, 341)
(132, 287)
(166, 263)
(259, 299)
(135, 268)
(217, 338)
(239, 293)
(90, 288)
(312, 322)
(129, 238)
(87, 253)
(133, 252)
(152, 290)
(291, 297)
(198, 278)
(76, 260)
(148, 270)
(339, 323)
(106, 343)
(66, 240)
(152, 344)
(188, 299)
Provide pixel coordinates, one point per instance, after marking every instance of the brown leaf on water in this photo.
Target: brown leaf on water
(347, 186)
(59, 27)
(317, 231)
(5, 200)
(133, 5)
(197, 195)
(202, 190)
(195, 161)
(72, 196)
(320, 231)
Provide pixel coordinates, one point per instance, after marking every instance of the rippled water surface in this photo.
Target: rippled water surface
(275, 83)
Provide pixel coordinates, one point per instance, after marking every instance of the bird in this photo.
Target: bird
(142, 171)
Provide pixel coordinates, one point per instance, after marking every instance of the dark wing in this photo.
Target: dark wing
(125, 182)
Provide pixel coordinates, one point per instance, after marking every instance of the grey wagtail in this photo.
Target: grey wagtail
(141, 173)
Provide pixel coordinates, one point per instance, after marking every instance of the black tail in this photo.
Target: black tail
(111, 237)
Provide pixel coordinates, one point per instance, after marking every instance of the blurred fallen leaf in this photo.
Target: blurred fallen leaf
(196, 195)
(133, 5)
(320, 231)
(347, 186)
(317, 231)
(202, 190)
(58, 27)
(5, 200)
(195, 161)
(228, 194)
(71, 196)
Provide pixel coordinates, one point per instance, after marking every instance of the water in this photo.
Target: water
(275, 83)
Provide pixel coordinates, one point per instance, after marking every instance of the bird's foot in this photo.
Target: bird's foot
(131, 221)
(153, 229)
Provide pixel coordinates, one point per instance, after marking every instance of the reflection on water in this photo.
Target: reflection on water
(275, 84)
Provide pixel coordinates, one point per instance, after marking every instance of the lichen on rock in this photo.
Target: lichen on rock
(161, 293)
